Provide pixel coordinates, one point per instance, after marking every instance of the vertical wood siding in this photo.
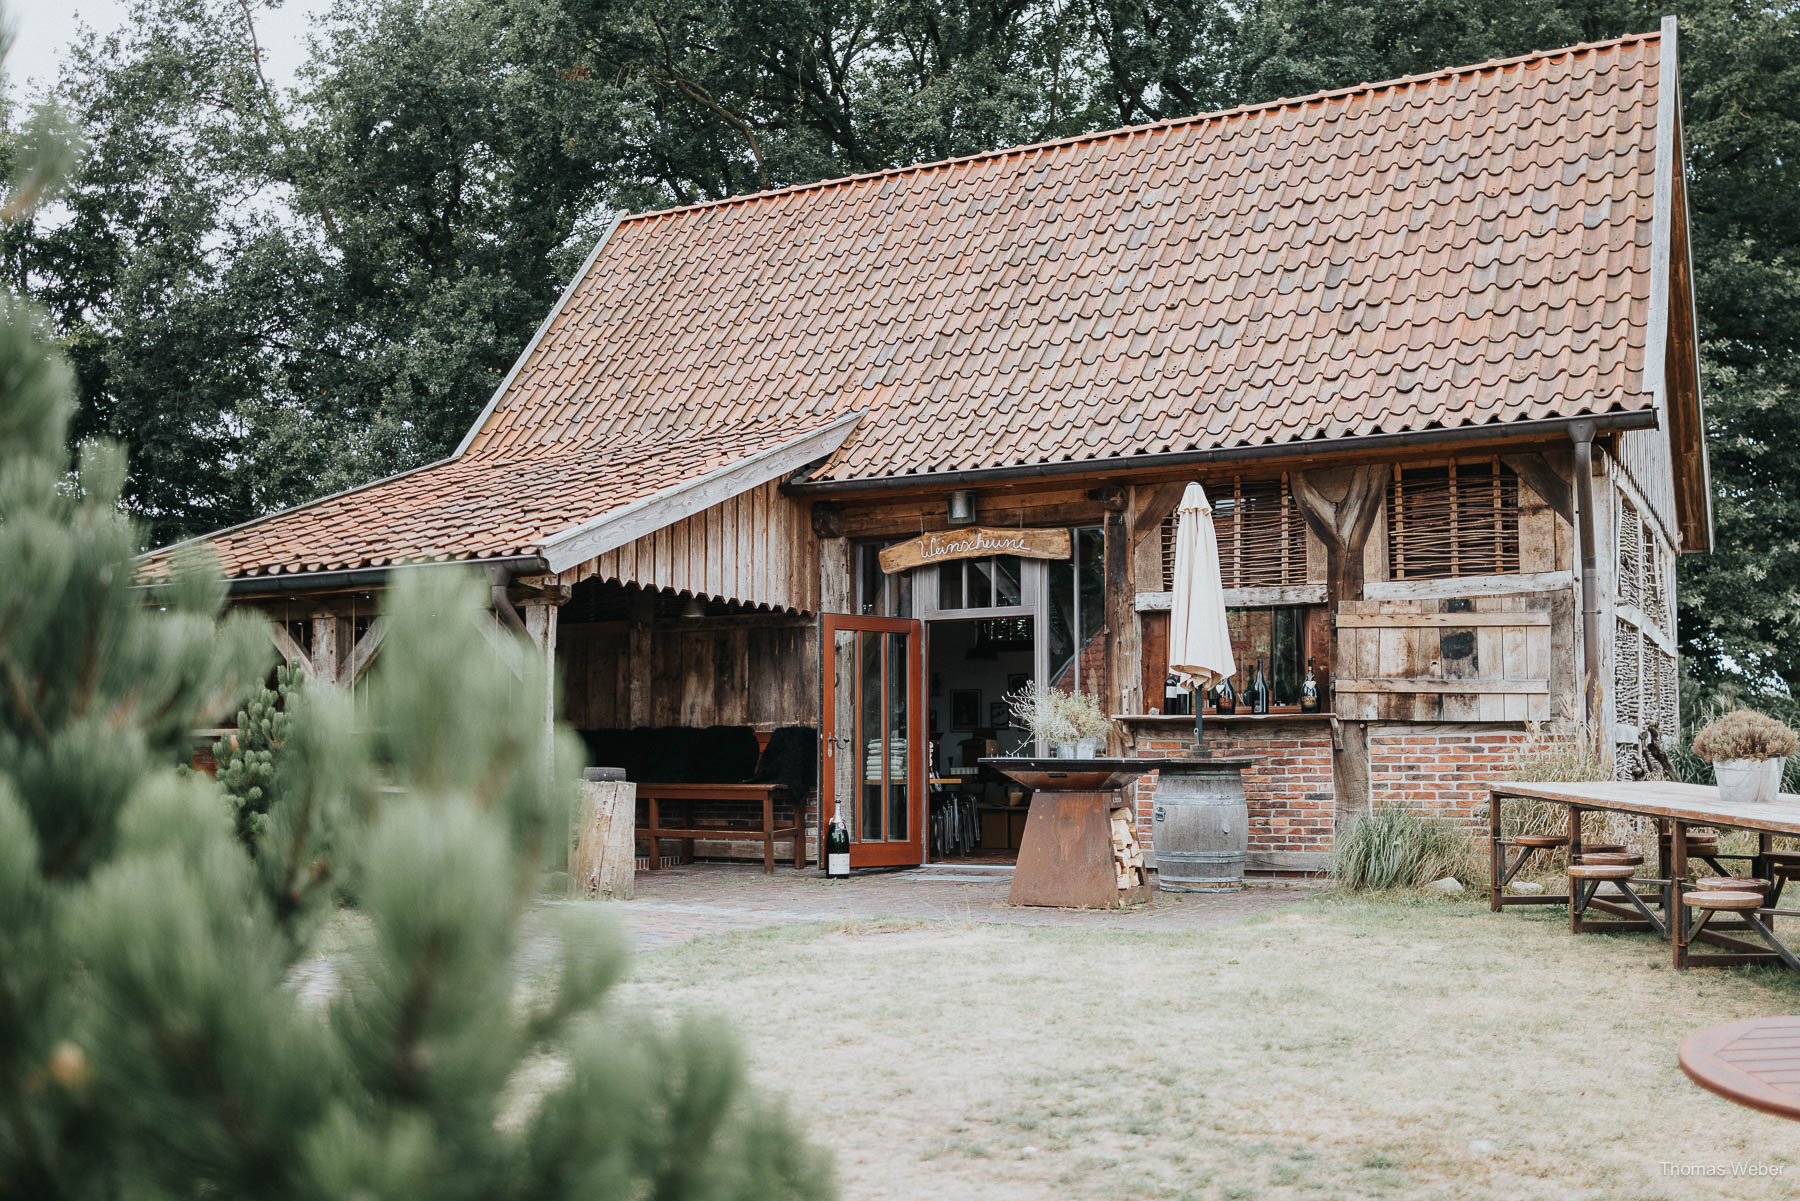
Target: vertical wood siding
(756, 548)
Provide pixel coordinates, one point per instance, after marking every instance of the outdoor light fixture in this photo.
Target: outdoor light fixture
(693, 610)
(962, 507)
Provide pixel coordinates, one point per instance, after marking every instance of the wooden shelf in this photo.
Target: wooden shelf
(1187, 719)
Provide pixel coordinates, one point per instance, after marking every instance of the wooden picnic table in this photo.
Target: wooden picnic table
(1754, 1062)
(1675, 807)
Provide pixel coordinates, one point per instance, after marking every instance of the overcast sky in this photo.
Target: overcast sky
(44, 29)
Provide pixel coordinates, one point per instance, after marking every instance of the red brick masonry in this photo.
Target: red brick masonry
(1442, 770)
(1289, 789)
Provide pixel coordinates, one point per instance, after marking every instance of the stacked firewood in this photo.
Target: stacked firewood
(1128, 856)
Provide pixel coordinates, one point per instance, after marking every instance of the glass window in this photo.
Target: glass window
(950, 586)
(981, 583)
(1275, 637)
(1078, 611)
(879, 594)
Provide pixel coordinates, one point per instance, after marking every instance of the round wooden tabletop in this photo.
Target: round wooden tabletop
(1754, 1062)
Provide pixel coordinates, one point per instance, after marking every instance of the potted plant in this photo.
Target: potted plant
(1040, 712)
(1089, 722)
(1748, 751)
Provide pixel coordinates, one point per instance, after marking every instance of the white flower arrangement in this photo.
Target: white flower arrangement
(1058, 718)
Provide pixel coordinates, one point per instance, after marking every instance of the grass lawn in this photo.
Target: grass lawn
(1333, 1048)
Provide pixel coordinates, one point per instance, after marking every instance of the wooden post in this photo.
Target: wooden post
(1123, 660)
(602, 840)
(328, 655)
(640, 663)
(1582, 432)
(1341, 508)
(540, 627)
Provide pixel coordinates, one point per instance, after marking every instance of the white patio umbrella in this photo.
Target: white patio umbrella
(1199, 640)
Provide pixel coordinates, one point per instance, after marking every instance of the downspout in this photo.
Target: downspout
(1582, 434)
(504, 609)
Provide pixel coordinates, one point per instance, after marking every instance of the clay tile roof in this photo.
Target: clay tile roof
(1464, 248)
(1468, 247)
(488, 506)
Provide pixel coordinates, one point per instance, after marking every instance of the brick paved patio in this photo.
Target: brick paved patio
(680, 903)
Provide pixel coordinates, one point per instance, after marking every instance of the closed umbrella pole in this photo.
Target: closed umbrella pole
(1199, 638)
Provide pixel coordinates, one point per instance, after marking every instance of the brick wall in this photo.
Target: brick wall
(1440, 769)
(1289, 789)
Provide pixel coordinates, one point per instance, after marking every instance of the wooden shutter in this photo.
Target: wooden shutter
(1455, 520)
(1480, 659)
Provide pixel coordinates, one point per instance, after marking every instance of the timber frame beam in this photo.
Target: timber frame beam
(1342, 506)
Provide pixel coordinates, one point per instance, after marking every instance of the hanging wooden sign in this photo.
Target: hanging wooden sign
(974, 542)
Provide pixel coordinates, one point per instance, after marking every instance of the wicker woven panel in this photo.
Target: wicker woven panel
(1667, 674)
(1261, 535)
(1628, 687)
(1631, 554)
(1458, 520)
(1654, 588)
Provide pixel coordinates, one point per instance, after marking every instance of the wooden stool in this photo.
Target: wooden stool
(1602, 848)
(1745, 903)
(1613, 859)
(1585, 882)
(1702, 846)
(1731, 884)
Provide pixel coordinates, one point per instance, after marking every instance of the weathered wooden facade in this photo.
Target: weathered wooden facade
(1429, 345)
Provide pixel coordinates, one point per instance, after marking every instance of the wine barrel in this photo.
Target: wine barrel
(1200, 826)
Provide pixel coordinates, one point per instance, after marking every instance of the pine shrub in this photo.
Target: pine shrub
(150, 1045)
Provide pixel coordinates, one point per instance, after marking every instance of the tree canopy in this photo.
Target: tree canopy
(272, 293)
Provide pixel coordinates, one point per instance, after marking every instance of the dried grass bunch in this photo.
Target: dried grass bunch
(1394, 847)
(1744, 734)
(1058, 717)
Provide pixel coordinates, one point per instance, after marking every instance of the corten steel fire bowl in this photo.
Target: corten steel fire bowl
(1073, 775)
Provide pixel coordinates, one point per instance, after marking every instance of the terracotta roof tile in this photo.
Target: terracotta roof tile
(1466, 247)
(486, 507)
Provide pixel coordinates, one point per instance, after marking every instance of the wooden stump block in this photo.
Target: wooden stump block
(602, 841)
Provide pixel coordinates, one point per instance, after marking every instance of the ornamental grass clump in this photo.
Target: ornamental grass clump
(1744, 734)
(1395, 848)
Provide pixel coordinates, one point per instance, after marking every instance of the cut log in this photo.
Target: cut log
(602, 846)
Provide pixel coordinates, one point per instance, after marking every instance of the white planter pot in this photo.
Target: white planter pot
(1065, 750)
(1087, 748)
(1748, 780)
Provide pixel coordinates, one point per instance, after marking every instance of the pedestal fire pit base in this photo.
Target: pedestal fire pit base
(1068, 858)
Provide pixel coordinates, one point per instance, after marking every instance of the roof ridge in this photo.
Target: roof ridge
(1104, 135)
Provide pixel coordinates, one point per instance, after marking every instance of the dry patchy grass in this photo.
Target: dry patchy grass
(1339, 1048)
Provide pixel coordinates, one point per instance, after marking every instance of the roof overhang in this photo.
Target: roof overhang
(1554, 427)
(1672, 342)
(577, 544)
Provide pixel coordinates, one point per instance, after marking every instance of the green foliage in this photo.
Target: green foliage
(246, 758)
(1394, 847)
(1743, 734)
(151, 1044)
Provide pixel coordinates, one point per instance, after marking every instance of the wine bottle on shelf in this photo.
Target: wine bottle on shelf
(1175, 697)
(1309, 691)
(837, 847)
(1225, 699)
(1258, 696)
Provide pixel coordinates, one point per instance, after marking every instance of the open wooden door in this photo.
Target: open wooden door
(873, 740)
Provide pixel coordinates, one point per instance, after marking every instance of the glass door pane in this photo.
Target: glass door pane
(845, 748)
(899, 725)
(873, 741)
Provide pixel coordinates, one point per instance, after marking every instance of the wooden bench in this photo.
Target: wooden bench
(766, 833)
